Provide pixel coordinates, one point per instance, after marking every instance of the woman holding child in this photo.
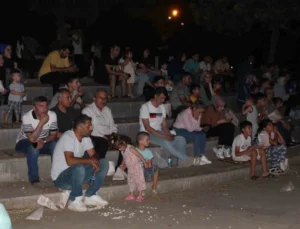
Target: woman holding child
(187, 125)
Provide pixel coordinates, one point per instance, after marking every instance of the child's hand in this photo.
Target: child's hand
(146, 165)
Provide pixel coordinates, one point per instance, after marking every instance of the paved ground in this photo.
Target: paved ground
(242, 204)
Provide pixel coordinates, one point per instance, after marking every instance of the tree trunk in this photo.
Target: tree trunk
(273, 44)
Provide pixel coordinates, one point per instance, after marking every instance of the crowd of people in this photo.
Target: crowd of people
(78, 136)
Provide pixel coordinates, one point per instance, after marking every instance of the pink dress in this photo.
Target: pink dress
(136, 179)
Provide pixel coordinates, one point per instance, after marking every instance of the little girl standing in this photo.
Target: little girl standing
(128, 67)
(132, 158)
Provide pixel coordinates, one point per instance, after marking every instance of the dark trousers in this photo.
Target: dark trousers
(294, 100)
(224, 131)
(57, 78)
(286, 134)
(79, 61)
(100, 146)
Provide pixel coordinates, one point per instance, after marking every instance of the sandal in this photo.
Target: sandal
(129, 197)
(140, 199)
(254, 177)
(268, 176)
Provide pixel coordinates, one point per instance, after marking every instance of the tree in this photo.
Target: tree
(239, 16)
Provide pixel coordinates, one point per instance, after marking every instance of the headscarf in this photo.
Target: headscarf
(218, 101)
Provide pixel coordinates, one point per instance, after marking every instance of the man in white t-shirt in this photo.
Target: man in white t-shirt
(71, 169)
(243, 151)
(153, 120)
(38, 135)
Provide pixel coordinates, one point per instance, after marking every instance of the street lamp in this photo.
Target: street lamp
(175, 12)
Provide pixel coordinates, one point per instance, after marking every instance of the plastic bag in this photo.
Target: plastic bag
(159, 161)
(46, 202)
(36, 215)
(287, 187)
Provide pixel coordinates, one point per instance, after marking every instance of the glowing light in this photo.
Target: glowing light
(174, 12)
(182, 23)
(169, 17)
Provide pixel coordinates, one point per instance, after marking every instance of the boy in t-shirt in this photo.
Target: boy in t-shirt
(15, 97)
(143, 141)
(242, 150)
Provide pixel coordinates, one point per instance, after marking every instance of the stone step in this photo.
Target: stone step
(120, 109)
(9, 132)
(22, 195)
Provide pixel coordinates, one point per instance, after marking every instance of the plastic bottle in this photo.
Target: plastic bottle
(169, 162)
(5, 222)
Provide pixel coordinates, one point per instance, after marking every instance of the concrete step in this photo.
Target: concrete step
(21, 195)
(124, 108)
(9, 132)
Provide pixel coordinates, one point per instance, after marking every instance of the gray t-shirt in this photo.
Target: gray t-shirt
(178, 91)
(16, 87)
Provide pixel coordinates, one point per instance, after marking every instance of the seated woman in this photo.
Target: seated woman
(214, 119)
(274, 145)
(187, 125)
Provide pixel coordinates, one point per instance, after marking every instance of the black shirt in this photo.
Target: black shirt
(65, 120)
(102, 75)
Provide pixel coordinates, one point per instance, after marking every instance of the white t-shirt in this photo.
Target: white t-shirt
(30, 122)
(241, 142)
(77, 46)
(68, 142)
(205, 67)
(154, 114)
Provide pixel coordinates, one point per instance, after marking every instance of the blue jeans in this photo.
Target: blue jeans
(198, 138)
(141, 80)
(32, 154)
(177, 147)
(76, 175)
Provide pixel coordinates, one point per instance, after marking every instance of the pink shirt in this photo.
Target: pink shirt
(185, 120)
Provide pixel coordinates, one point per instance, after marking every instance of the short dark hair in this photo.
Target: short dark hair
(63, 90)
(15, 71)
(64, 47)
(158, 78)
(72, 79)
(39, 99)
(260, 96)
(193, 87)
(160, 90)
(81, 119)
(244, 124)
(141, 135)
(114, 45)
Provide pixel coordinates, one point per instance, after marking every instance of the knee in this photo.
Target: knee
(104, 166)
(180, 139)
(79, 171)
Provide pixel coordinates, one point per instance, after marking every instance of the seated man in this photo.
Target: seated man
(66, 114)
(70, 169)
(72, 86)
(57, 69)
(38, 134)
(153, 120)
(179, 97)
(104, 124)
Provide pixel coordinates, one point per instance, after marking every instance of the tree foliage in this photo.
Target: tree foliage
(238, 16)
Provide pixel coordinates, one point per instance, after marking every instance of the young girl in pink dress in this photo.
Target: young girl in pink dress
(133, 159)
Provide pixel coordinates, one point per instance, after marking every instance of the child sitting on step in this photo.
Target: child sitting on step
(243, 151)
(143, 141)
(132, 158)
(273, 143)
(15, 98)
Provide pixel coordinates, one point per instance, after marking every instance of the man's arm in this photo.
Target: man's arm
(64, 69)
(150, 130)
(165, 127)
(52, 136)
(33, 136)
(71, 160)
(111, 72)
(184, 101)
(247, 152)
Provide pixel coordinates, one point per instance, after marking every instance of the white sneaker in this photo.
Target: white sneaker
(95, 200)
(120, 175)
(226, 152)
(219, 152)
(204, 161)
(284, 165)
(77, 205)
(111, 169)
(196, 161)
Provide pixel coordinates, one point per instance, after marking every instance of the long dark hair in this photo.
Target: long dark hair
(262, 125)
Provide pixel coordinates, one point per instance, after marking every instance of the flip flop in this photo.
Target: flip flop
(254, 177)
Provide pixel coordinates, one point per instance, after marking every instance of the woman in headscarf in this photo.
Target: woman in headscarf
(218, 125)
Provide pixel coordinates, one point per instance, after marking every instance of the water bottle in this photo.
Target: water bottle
(169, 162)
(93, 178)
(5, 222)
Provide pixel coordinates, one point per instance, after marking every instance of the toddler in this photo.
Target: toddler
(132, 158)
(15, 97)
(143, 141)
(128, 67)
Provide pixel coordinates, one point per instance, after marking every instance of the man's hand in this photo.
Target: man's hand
(40, 144)
(80, 93)
(44, 119)
(95, 164)
(169, 138)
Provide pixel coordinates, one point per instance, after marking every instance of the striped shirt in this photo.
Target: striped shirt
(30, 122)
